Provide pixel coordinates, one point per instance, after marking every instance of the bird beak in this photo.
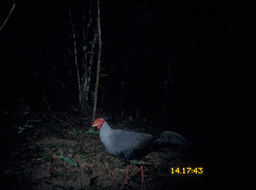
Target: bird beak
(95, 125)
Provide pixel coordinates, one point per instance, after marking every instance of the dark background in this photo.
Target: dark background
(140, 38)
(136, 53)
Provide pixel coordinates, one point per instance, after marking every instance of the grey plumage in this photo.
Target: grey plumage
(124, 143)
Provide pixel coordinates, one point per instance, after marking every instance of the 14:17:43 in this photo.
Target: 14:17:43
(187, 170)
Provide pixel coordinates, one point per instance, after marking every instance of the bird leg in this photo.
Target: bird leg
(126, 174)
(142, 176)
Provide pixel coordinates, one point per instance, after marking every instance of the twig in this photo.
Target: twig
(81, 177)
(8, 16)
(109, 172)
(48, 106)
(60, 120)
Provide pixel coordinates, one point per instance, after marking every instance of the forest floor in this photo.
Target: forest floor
(61, 152)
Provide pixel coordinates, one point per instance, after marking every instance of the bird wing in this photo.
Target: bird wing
(128, 141)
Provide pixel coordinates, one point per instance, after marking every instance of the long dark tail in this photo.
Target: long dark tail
(167, 138)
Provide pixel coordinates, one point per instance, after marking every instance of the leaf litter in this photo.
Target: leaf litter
(64, 152)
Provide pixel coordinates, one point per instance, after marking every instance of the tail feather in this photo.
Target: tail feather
(170, 137)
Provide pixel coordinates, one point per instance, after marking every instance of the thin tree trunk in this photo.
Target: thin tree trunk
(98, 63)
(88, 58)
(76, 59)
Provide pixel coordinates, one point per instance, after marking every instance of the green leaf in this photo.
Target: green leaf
(92, 131)
(72, 133)
(71, 162)
(20, 129)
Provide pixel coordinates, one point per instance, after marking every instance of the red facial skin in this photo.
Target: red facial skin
(98, 123)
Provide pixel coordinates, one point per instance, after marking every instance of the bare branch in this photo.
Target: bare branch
(8, 16)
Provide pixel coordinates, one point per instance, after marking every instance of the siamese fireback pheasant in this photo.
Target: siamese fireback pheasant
(129, 145)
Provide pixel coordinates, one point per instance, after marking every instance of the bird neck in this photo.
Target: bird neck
(105, 126)
(105, 129)
(105, 132)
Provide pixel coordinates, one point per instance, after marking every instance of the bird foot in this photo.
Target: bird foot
(124, 186)
(124, 183)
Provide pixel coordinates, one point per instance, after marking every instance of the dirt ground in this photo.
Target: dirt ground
(60, 152)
